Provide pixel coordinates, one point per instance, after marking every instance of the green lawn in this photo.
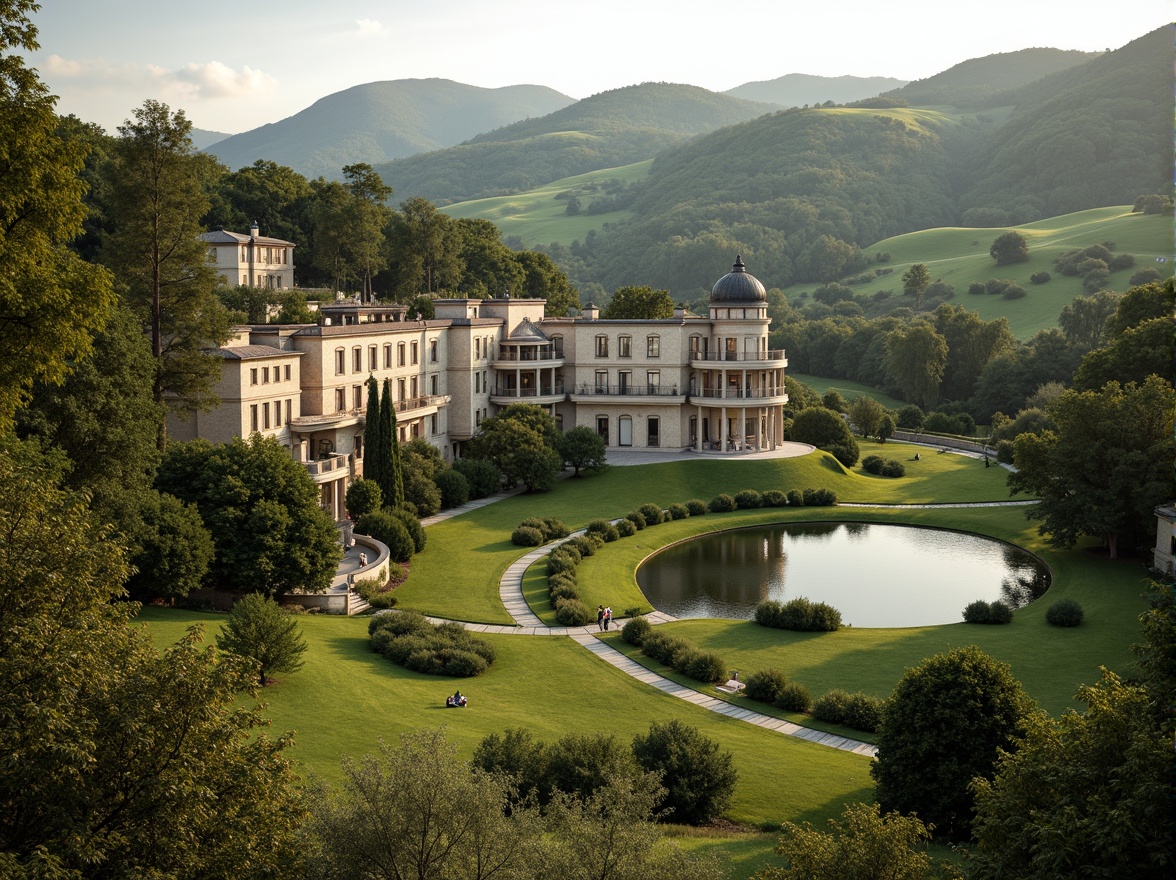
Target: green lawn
(959, 256)
(849, 390)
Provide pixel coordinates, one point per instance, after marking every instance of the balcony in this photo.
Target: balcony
(422, 402)
(755, 396)
(514, 358)
(542, 394)
(416, 406)
(661, 394)
(324, 470)
(772, 358)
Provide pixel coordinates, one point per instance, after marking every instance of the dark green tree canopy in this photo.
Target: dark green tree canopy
(639, 302)
(260, 631)
(1009, 248)
(583, 449)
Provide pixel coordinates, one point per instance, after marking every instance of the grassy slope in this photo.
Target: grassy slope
(960, 256)
(537, 218)
(849, 390)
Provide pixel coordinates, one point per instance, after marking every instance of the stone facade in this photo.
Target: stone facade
(251, 260)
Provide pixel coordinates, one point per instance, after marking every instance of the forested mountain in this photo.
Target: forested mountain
(977, 80)
(379, 121)
(612, 128)
(202, 139)
(797, 89)
(800, 191)
(1098, 134)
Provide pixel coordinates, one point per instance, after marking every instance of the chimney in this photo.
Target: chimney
(680, 310)
(591, 313)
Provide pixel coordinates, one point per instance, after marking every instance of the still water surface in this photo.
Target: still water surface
(875, 575)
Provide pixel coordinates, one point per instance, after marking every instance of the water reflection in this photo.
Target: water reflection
(875, 575)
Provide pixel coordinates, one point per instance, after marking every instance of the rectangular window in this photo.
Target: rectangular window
(477, 417)
(625, 346)
(653, 381)
(653, 346)
(602, 428)
(372, 358)
(400, 390)
(357, 396)
(602, 346)
(477, 383)
(253, 376)
(433, 385)
(415, 430)
(253, 418)
(265, 422)
(557, 345)
(416, 352)
(478, 348)
(433, 351)
(400, 354)
(602, 381)
(415, 388)
(433, 423)
(624, 381)
(277, 413)
(340, 400)
(654, 433)
(340, 362)
(624, 431)
(388, 357)
(265, 375)
(356, 359)
(286, 371)
(289, 409)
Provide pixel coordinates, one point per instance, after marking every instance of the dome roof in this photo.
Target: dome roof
(527, 332)
(738, 286)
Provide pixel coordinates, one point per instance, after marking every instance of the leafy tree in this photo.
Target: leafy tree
(581, 447)
(1084, 321)
(273, 196)
(51, 302)
(368, 216)
(489, 268)
(916, 358)
(118, 765)
(329, 216)
(971, 344)
(262, 510)
(1009, 248)
(245, 304)
(520, 441)
(866, 414)
(915, 282)
(156, 198)
(259, 630)
(170, 548)
(833, 400)
(1106, 467)
(545, 280)
(425, 249)
(699, 778)
(1133, 355)
(363, 496)
(868, 845)
(947, 722)
(886, 428)
(1141, 303)
(416, 810)
(417, 472)
(639, 302)
(825, 429)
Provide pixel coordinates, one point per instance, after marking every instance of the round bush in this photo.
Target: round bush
(678, 511)
(602, 527)
(584, 545)
(894, 468)
(767, 613)
(636, 630)
(793, 697)
(976, 612)
(454, 487)
(748, 499)
(846, 453)
(652, 514)
(864, 712)
(636, 519)
(988, 612)
(537, 523)
(999, 612)
(557, 562)
(1040, 277)
(555, 528)
(525, 536)
(1064, 612)
(721, 504)
(626, 528)
(765, 685)
(706, 667)
(824, 618)
(831, 707)
(774, 498)
(696, 506)
(573, 612)
(872, 464)
(415, 529)
(562, 590)
(661, 646)
(795, 498)
(389, 530)
(569, 550)
(463, 664)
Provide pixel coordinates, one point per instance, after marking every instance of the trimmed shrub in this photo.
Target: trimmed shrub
(409, 640)
(988, 612)
(585, 545)
(798, 614)
(864, 712)
(636, 630)
(562, 590)
(415, 529)
(721, 504)
(573, 612)
(767, 613)
(570, 550)
(748, 499)
(765, 685)
(636, 519)
(831, 707)
(705, 667)
(1064, 612)
(454, 488)
(696, 507)
(872, 464)
(652, 514)
(977, 287)
(894, 468)
(846, 453)
(1040, 277)
(819, 498)
(774, 498)
(678, 511)
(525, 536)
(698, 777)
(389, 530)
(602, 527)
(555, 528)
(663, 647)
(626, 528)
(557, 562)
(795, 498)
(1013, 291)
(793, 697)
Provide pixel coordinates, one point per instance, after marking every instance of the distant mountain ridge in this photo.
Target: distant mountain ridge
(202, 139)
(798, 89)
(379, 121)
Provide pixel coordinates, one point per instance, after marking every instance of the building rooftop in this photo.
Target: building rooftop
(738, 286)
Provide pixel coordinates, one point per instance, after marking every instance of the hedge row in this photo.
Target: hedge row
(678, 654)
(798, 614)
(536, 531)
(875, 464)
(858, 711)
(988, 612)
(410, 640)
(561, 578)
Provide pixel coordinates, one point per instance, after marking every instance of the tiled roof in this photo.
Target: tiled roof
(222, 236)
(247, 352)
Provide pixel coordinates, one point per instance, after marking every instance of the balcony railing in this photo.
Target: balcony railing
(633, 390)
(738, 393)
(541, 391)
(738, 356)
(421, 402)
(527, 355)
(336, 461)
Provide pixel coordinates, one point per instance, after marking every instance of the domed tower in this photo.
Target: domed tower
(737, 384)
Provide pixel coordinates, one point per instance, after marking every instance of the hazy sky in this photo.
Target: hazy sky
(236, 66)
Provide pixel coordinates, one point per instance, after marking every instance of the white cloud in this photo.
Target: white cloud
(194, 81)
(369, 27)
(216, 80)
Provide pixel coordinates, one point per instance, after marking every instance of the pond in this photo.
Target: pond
(875, 575)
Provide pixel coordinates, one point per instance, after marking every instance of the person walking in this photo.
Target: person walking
(607, 617)
(600, 617)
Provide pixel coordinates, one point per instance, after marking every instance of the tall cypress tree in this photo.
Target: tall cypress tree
(374, 449)
(392, 485)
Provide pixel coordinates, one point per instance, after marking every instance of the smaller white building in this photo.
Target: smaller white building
(252, 260)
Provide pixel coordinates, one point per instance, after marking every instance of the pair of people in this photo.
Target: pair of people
(603, 617)
(457, 701)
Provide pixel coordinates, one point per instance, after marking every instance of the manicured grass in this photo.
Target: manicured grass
(849, 390)
(536, 217)
(347, 697)
(457, 575)
(960, 256)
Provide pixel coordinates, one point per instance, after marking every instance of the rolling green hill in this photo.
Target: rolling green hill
(618, 127)
(959, 256)
(796, 89)
(379, 121)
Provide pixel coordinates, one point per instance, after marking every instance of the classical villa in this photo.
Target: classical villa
(708, 384)
(251, 260)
